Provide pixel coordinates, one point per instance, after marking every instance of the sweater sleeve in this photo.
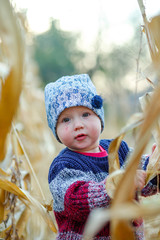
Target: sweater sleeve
(81, 197)
(76, 193)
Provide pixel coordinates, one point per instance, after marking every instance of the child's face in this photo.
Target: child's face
(79, 129)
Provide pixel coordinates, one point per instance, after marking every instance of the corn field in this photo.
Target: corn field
(27, 147)
(25, 205)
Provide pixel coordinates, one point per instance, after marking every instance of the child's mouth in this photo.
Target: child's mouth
(80, 137)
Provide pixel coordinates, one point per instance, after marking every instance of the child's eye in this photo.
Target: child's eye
(65, 119)
(86, 114)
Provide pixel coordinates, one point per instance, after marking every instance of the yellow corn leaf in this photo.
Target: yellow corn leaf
(123, 230)
(41, 209)
(17, 141)
(11, 187)
(125, 190)
(3, 232)
(26, 180)
(146, 30)
(113, 154)
(3, 173)
(153, 166)
(17, 150)
(4, 71)
(102, 216)
(2, 199)
(21, 224)
(126, 211)
(154, 25)
(25, 196)
(115, 173)
(152, 30)
(11, 87)
(112, 182)
(113, 158)
(145, 101)
(115, 179)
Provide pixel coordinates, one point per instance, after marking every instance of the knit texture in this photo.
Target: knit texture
(77, 183)
(71, 91)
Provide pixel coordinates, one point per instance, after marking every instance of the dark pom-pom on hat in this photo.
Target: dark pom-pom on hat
(97, 102)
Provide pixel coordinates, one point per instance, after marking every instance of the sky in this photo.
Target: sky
(86, 16)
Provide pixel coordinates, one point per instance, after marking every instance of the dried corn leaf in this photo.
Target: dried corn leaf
(11, 187)
(115, 173)
(152, 30)
(4, 230)
(122, 230)
(21, 224)
(18, 144)
(3, 173)
(41, 209)
(26, 183)
(125, 189)
(127, 211)
(147, 31)
(11, 87)
(25, 196)
(147, 124)
(119, 227)
(2, 199)
(16, 147)
(113, 154)
(154, 25)
(145, 101)
(112, 182)
(10, 80)
(153, 166)
(4, 71)
(113, 158)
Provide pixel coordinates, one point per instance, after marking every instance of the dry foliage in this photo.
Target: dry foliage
(120, 183)
(24, 205)
(24, 209)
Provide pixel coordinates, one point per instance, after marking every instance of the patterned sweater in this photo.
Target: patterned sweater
(77, 183)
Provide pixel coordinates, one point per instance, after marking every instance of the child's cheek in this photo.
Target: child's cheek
(66, 133)
(66, 129)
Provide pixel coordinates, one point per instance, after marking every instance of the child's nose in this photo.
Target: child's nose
(78, 124)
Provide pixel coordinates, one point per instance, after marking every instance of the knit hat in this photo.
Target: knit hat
(71, 91)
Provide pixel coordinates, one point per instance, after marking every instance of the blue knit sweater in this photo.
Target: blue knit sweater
(77, 183)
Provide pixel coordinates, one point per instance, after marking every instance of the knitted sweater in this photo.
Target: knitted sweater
(77, 183)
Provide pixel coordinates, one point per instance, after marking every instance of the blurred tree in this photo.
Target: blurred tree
(122, 65)
(56, 53)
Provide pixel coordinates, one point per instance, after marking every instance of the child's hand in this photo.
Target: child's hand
(140, 179)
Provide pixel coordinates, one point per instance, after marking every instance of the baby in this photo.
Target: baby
(77, 176)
